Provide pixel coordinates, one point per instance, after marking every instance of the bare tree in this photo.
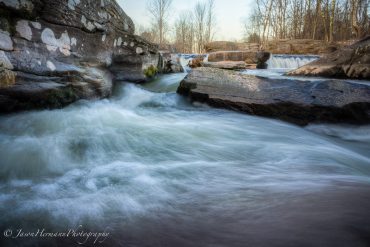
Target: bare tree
(266, 21)
(317, 15)
(210, 21)
(184, 33)
(252, 30)
(329, 20)
(159, 10)
(331, 23)
(200, 18)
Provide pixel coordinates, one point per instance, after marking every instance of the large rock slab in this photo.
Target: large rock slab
(249, 57)
(216, 46)
(62, 51)
(233, 65)
(298, 102)
(349, 62)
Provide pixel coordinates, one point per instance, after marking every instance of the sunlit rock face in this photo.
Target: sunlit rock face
(63, 51)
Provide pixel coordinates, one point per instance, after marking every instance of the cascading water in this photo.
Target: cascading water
(206, 58)
(153, 169)
(186, 58)
(281, 61)
(184, 61)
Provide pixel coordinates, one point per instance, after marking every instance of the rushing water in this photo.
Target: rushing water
(283, 61)
(153, 169)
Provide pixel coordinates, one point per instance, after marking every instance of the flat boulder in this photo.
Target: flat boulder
(233, 65)
(298, 102)
(349, 62)
(259, 58)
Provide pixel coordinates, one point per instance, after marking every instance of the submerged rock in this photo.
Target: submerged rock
(299, 102)
(349, 62)
(63, 51)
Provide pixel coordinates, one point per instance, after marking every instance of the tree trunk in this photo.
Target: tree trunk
(331, 24)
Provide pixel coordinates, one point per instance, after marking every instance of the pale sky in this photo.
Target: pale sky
(229, 14)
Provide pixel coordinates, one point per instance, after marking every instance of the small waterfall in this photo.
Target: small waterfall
(282, 61)
(206, 58)
(184, 61)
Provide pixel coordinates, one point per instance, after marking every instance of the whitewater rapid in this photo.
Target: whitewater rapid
(158, 170)
(284, 61)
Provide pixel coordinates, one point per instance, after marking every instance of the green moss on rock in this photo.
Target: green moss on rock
(151, 71)
(7, 77)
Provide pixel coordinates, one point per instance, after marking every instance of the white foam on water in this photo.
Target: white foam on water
(143, 152)
(289, 61)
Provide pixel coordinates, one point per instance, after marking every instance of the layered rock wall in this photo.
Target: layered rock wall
(55, 52)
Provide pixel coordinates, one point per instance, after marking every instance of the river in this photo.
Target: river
(153, 169)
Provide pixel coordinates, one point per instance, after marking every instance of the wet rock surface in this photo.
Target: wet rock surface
(298, 102)
(349, 62)
(62, 51)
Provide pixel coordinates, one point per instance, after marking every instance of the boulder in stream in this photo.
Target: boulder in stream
(298, 102)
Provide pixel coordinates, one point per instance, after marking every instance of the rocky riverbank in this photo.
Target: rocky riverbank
(55, 52)
(298, 102)
(349, 62)
(282, 46)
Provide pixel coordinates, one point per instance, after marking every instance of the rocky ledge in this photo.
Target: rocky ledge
(233, 65)
(298, 102)
(258, 58)
(280, 46)
(349, 62)
(55, 52)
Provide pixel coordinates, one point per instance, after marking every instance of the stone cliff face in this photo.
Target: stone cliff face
(55, 52)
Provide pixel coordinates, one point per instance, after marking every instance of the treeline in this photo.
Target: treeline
(191, 31)
(328, 20)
